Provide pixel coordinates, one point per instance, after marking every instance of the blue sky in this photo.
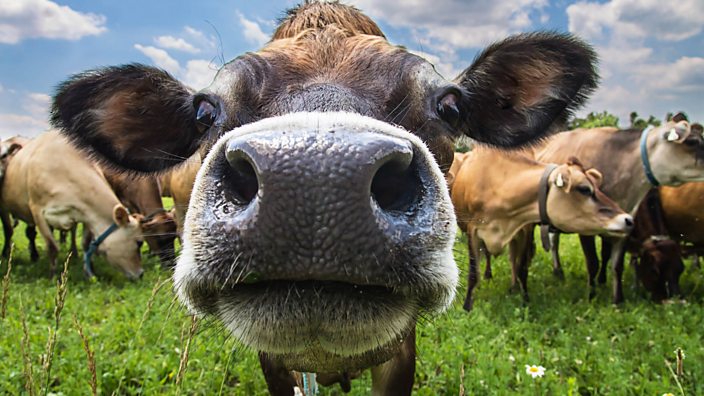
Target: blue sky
(652, 56)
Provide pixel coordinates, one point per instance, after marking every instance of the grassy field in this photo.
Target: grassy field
(138, 335)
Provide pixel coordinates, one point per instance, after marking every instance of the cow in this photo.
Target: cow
(141, 194)
(178, 184)
(8, 149)
(320, 227)
(632, 162)
(495, 204)
(44, 192)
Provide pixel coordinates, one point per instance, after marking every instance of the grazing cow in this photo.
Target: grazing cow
(178, 184)
(495, 203)
(141, 194)
(632, 161)
(42, 191)
(8, 149)
(320, 226)
(656, 258)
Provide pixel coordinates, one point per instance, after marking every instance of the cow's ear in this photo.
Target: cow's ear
(596, 176)
(134, 116)
(521, 88)
(681, 116)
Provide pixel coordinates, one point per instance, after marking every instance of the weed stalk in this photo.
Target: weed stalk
(59, 300)
(90, 354)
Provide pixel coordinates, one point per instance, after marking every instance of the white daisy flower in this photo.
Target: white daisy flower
(535, 371)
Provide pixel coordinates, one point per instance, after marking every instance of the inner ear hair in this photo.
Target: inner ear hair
(526, 86)
(134, 116)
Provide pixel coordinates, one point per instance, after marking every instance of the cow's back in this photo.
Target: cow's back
(683, 211)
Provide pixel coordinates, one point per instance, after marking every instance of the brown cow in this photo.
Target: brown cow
(42, 191)
(178, 184)
(320, 227)
(494, 204)
(656, 258)
(674, 154)
(141, 194)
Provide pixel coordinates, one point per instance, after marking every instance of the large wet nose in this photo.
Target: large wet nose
(328, 205)
(379, 166)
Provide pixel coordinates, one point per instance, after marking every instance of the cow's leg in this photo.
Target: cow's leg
(51, 246)
(7, 230)
(473, 270)
(555, 252)
(591, 260)
(633, 262)
(396, 376)
(606, 249)
(487, 268)
(31, 233)
(521, 256)
(279, 380)
(74, 246)
(617, 257)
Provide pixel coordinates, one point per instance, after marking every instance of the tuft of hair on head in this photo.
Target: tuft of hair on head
(317, 14)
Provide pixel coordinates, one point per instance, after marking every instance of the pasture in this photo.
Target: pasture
(138, 334)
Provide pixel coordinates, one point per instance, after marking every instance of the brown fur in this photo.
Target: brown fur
(318, 15)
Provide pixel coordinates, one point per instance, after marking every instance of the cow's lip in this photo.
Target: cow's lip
(311, 285)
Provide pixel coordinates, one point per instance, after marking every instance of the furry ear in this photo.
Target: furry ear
(563, 180)
(134, 116)
(596, 177)
(120, 216)
(681, 116)
(518, 88)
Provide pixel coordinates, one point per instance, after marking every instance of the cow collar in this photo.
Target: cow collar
(644, 157)
(87, 265)
(543, 189)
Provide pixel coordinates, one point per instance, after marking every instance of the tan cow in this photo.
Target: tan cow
(674, 154)
(49, 183)
(683, 210)
(495, 195)
(141, 194)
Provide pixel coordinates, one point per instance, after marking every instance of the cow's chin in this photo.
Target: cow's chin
(319, 326)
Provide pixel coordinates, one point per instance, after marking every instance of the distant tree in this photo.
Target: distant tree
(639, 123)
(633, 118)
(594, 120)
(668, 116)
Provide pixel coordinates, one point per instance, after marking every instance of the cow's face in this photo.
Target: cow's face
(676, 152)
(575, 203)
(119, 247)
(660, 267)
(320, 226)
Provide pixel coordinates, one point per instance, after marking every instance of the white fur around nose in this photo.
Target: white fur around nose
(444, 271)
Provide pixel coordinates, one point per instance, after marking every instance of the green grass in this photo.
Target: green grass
(587, 348)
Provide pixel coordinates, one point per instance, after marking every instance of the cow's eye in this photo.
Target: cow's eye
(584, 190)
(205, 115)
(448, 108)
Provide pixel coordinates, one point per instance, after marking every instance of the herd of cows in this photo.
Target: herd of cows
(593, 179)
(320, 225)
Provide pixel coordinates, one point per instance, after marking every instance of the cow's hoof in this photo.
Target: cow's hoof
(558, 273)
(468, 304)
(488, 275)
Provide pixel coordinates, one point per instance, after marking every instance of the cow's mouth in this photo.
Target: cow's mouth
(313, 324)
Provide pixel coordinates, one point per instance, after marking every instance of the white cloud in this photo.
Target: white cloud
(632, 38)
(25, 19)
(252, 31)
(198, 73)
(637, 19)
(160, 57)
(171, 42)
(199, 38)
(461, 23)
(32, 121)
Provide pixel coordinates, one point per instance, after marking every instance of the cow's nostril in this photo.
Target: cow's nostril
(242, 178)
(629, 221)
(395, 186)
